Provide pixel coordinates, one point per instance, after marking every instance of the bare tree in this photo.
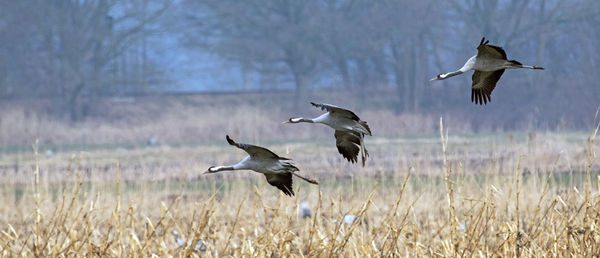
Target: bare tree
(66, 48)
(408, 27)
(88, 37)
(262, 35)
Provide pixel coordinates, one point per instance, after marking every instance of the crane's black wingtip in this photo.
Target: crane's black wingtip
(229, 140)
(483, 41)
(286, 190)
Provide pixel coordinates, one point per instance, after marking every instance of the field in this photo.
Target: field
(428, 194)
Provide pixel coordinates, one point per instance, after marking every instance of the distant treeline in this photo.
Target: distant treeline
(80, 49)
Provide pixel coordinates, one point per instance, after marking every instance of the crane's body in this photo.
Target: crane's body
(489, 65)
(341, 123)
(278, 170)
(263, 166)
(349, 130)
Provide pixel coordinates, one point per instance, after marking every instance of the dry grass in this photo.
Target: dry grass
(471, 195)
(188, 119)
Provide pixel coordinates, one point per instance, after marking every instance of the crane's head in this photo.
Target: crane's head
(293, 120)
(211, 169)
(439, 77)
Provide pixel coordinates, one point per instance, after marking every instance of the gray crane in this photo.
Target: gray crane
(349, 130)
(278, 170)
(489, 65)
(304, 208)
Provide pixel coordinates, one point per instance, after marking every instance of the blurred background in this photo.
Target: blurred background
(127, 102)
(177, 71)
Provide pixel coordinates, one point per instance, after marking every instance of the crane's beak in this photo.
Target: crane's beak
(434, 79)
(285, 122)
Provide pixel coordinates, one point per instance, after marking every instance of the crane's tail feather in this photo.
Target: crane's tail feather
(363, 150)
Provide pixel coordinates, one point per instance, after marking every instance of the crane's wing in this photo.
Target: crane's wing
(365, 125)
(282, 181)
(348, 144)
(483, 85)
(254, 151)
(337, 110)
(490, 51)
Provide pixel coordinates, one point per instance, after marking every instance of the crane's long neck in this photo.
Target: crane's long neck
(243, 164)
(450, 74)
(465, 68)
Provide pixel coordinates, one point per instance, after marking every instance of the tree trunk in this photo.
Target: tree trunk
(541, 45)
(419, 57)
(364, 78)
(406, 83)
(409, 78)
(3, 75)
(301, 98)
(74, 109)
(300, 70)
(343, 67)
(246, 76)
(398, 77)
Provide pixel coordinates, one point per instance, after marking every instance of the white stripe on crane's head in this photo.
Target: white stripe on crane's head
(215, 168)
(211, 169)
(295, 119)
(220, 168)
(438, 77)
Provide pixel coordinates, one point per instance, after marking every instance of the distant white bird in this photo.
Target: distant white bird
(463, 226)
(304, 208)
(349, 130)
(277, 170)
(489, 64)
(152, 141)
(349, 219)
(200, 245)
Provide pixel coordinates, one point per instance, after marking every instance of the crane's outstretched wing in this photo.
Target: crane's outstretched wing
(254, 151)
(490, 51)
(337, 110)
(483, 85)
(282, 181)
(348, 144)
